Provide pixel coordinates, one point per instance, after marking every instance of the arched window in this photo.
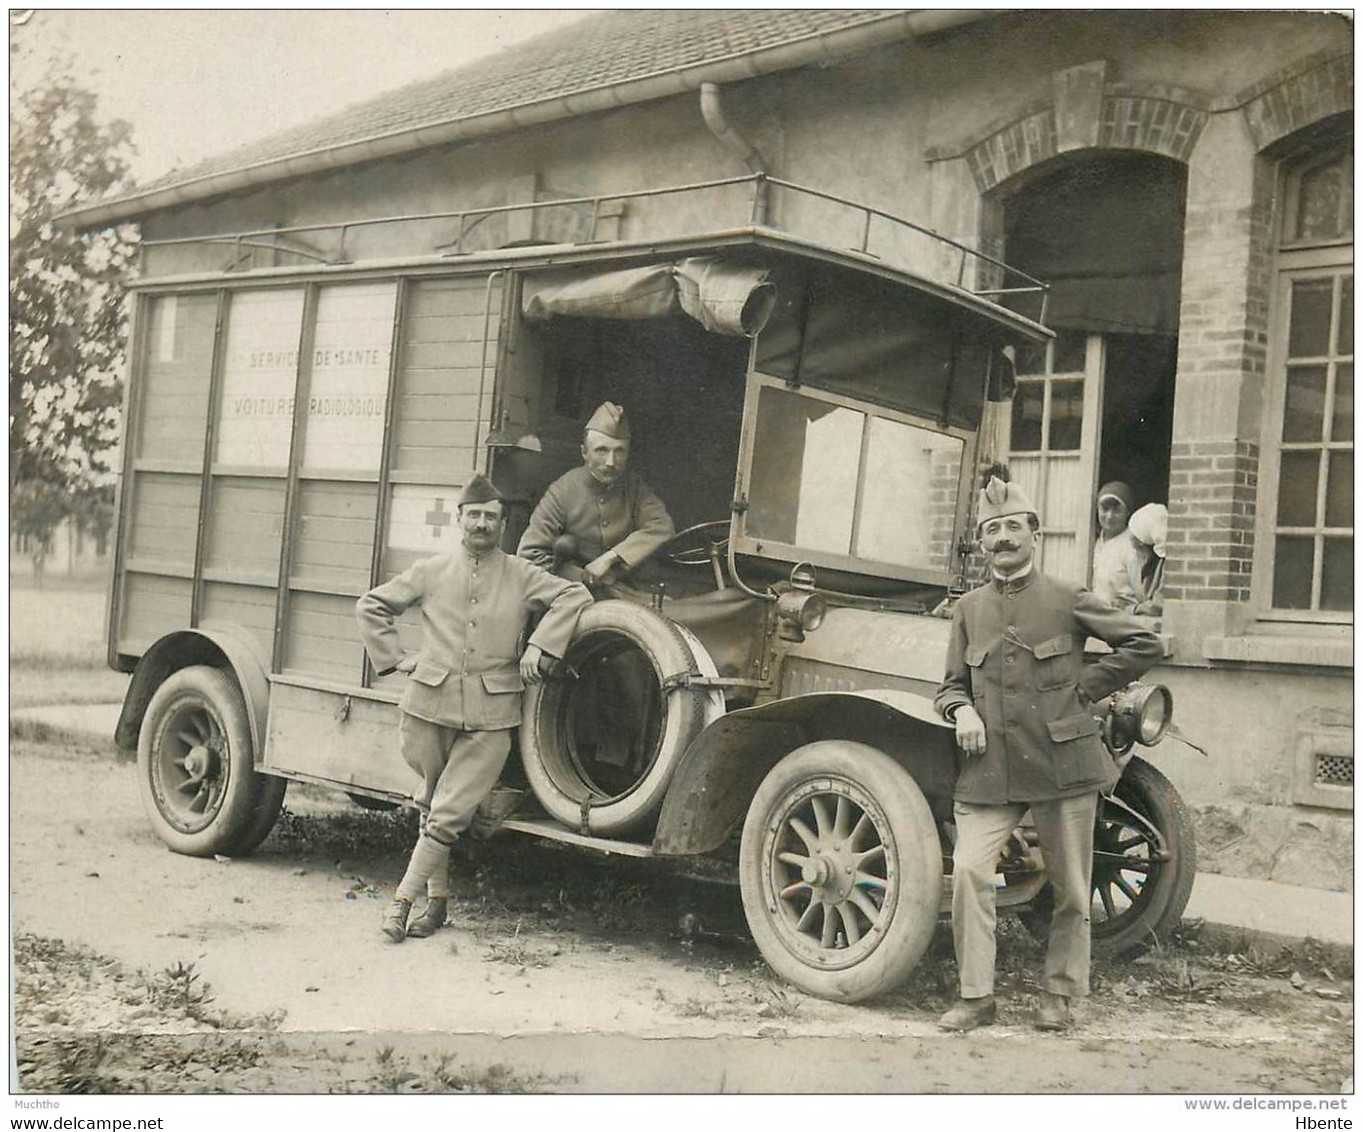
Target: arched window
(1307, 543)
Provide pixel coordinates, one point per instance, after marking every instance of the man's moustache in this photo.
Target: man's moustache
(1005, 546)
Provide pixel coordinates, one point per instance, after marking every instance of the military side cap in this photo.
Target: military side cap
(1000, 498)
(480, 489)
(610, 419)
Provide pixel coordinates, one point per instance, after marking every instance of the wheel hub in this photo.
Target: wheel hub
(829, 873)
(199, 763)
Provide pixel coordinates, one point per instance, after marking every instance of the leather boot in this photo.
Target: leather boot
(394, 924)
(969, 1013)
(431, 919)
(1053, 1012)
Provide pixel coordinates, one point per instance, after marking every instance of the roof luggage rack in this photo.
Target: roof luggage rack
(993, 279)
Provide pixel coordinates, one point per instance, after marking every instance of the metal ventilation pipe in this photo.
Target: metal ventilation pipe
(712, 110)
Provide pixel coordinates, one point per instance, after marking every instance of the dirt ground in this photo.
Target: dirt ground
(138, 970)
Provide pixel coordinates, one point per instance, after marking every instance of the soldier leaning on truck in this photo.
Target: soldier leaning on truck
(600, 520)
(1021, 697)
(464, 693)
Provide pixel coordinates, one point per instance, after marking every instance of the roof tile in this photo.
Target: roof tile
(603, 50)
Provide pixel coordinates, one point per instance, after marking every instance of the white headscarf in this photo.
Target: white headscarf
(1150, 525)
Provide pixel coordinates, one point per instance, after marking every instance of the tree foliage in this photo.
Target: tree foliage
(67, 318)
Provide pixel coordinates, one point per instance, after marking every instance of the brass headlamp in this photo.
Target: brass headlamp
(1139, 713)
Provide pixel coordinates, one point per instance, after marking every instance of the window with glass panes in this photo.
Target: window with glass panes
(1312, 517)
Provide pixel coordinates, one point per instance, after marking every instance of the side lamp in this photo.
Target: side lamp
(800, 609)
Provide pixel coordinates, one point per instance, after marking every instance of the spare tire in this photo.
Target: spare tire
(600, 741)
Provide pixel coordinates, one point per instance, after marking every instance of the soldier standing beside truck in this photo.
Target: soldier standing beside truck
(464, 693)
(601, 519)
(1021, 697)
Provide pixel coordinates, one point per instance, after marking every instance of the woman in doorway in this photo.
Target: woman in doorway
(1117, 556)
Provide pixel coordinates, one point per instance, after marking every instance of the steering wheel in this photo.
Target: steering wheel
(692, 546)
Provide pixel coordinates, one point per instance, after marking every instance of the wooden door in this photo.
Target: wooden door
(1052, 428)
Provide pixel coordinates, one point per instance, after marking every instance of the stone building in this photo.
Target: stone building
(1182, 179)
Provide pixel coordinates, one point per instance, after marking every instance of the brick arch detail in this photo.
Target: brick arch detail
(1149, 122)
(1287, 102)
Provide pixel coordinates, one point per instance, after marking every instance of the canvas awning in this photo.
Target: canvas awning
(724, 298)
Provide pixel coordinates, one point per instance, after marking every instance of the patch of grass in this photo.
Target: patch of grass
(65, 683)
(57, 626)
(180, 988)
(559, 888)
(1245, 955)
(345, 833)
(440, 1073)
(47, 972)
(774, 1002)
(35, 740)
(76, 1065)
(45, 734)
(35, 731)
(693, 1007)
(515, 952)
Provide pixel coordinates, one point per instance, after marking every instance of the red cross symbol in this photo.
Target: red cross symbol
(438, 517)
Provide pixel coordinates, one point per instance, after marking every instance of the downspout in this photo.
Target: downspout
(712, 110)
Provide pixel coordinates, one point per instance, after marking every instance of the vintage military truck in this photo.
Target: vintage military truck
(300, 421)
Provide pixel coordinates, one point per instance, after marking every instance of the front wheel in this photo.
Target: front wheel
(1144, 864)
(840, 870)
(196, 767)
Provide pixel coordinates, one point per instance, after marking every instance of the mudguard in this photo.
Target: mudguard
(721, 769)
(220, 644)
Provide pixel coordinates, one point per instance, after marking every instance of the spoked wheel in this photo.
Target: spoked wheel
(197, 774)
(189, 774)
(1144, 863)
(840, 870)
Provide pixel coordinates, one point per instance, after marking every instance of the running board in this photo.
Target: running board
(548, 828)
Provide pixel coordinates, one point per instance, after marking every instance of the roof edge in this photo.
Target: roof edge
(555, 256)
(878, 30)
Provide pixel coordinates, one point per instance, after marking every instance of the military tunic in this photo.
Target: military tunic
(464, 695)
(624, 516)
(474, 609)
(1017, 653)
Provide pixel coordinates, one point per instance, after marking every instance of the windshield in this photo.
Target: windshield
(842, 481)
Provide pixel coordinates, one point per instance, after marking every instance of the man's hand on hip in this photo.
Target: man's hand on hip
(530, 665)
(969, 730)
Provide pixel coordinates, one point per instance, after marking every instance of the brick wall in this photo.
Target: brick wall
(1288, 101)
(1222, 359)
(1122, 118)
(1155, 125)
(1212, 488)
(946, 482)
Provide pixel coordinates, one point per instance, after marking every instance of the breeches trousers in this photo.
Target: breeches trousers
(1065, 828)
(458, 770)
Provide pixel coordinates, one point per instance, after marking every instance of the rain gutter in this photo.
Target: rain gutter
(824, 47)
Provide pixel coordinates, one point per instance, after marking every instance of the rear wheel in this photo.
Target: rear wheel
(840, 869)
(1144, 864)
(196, 767)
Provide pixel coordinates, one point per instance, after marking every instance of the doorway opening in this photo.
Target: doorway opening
(1105, 229)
